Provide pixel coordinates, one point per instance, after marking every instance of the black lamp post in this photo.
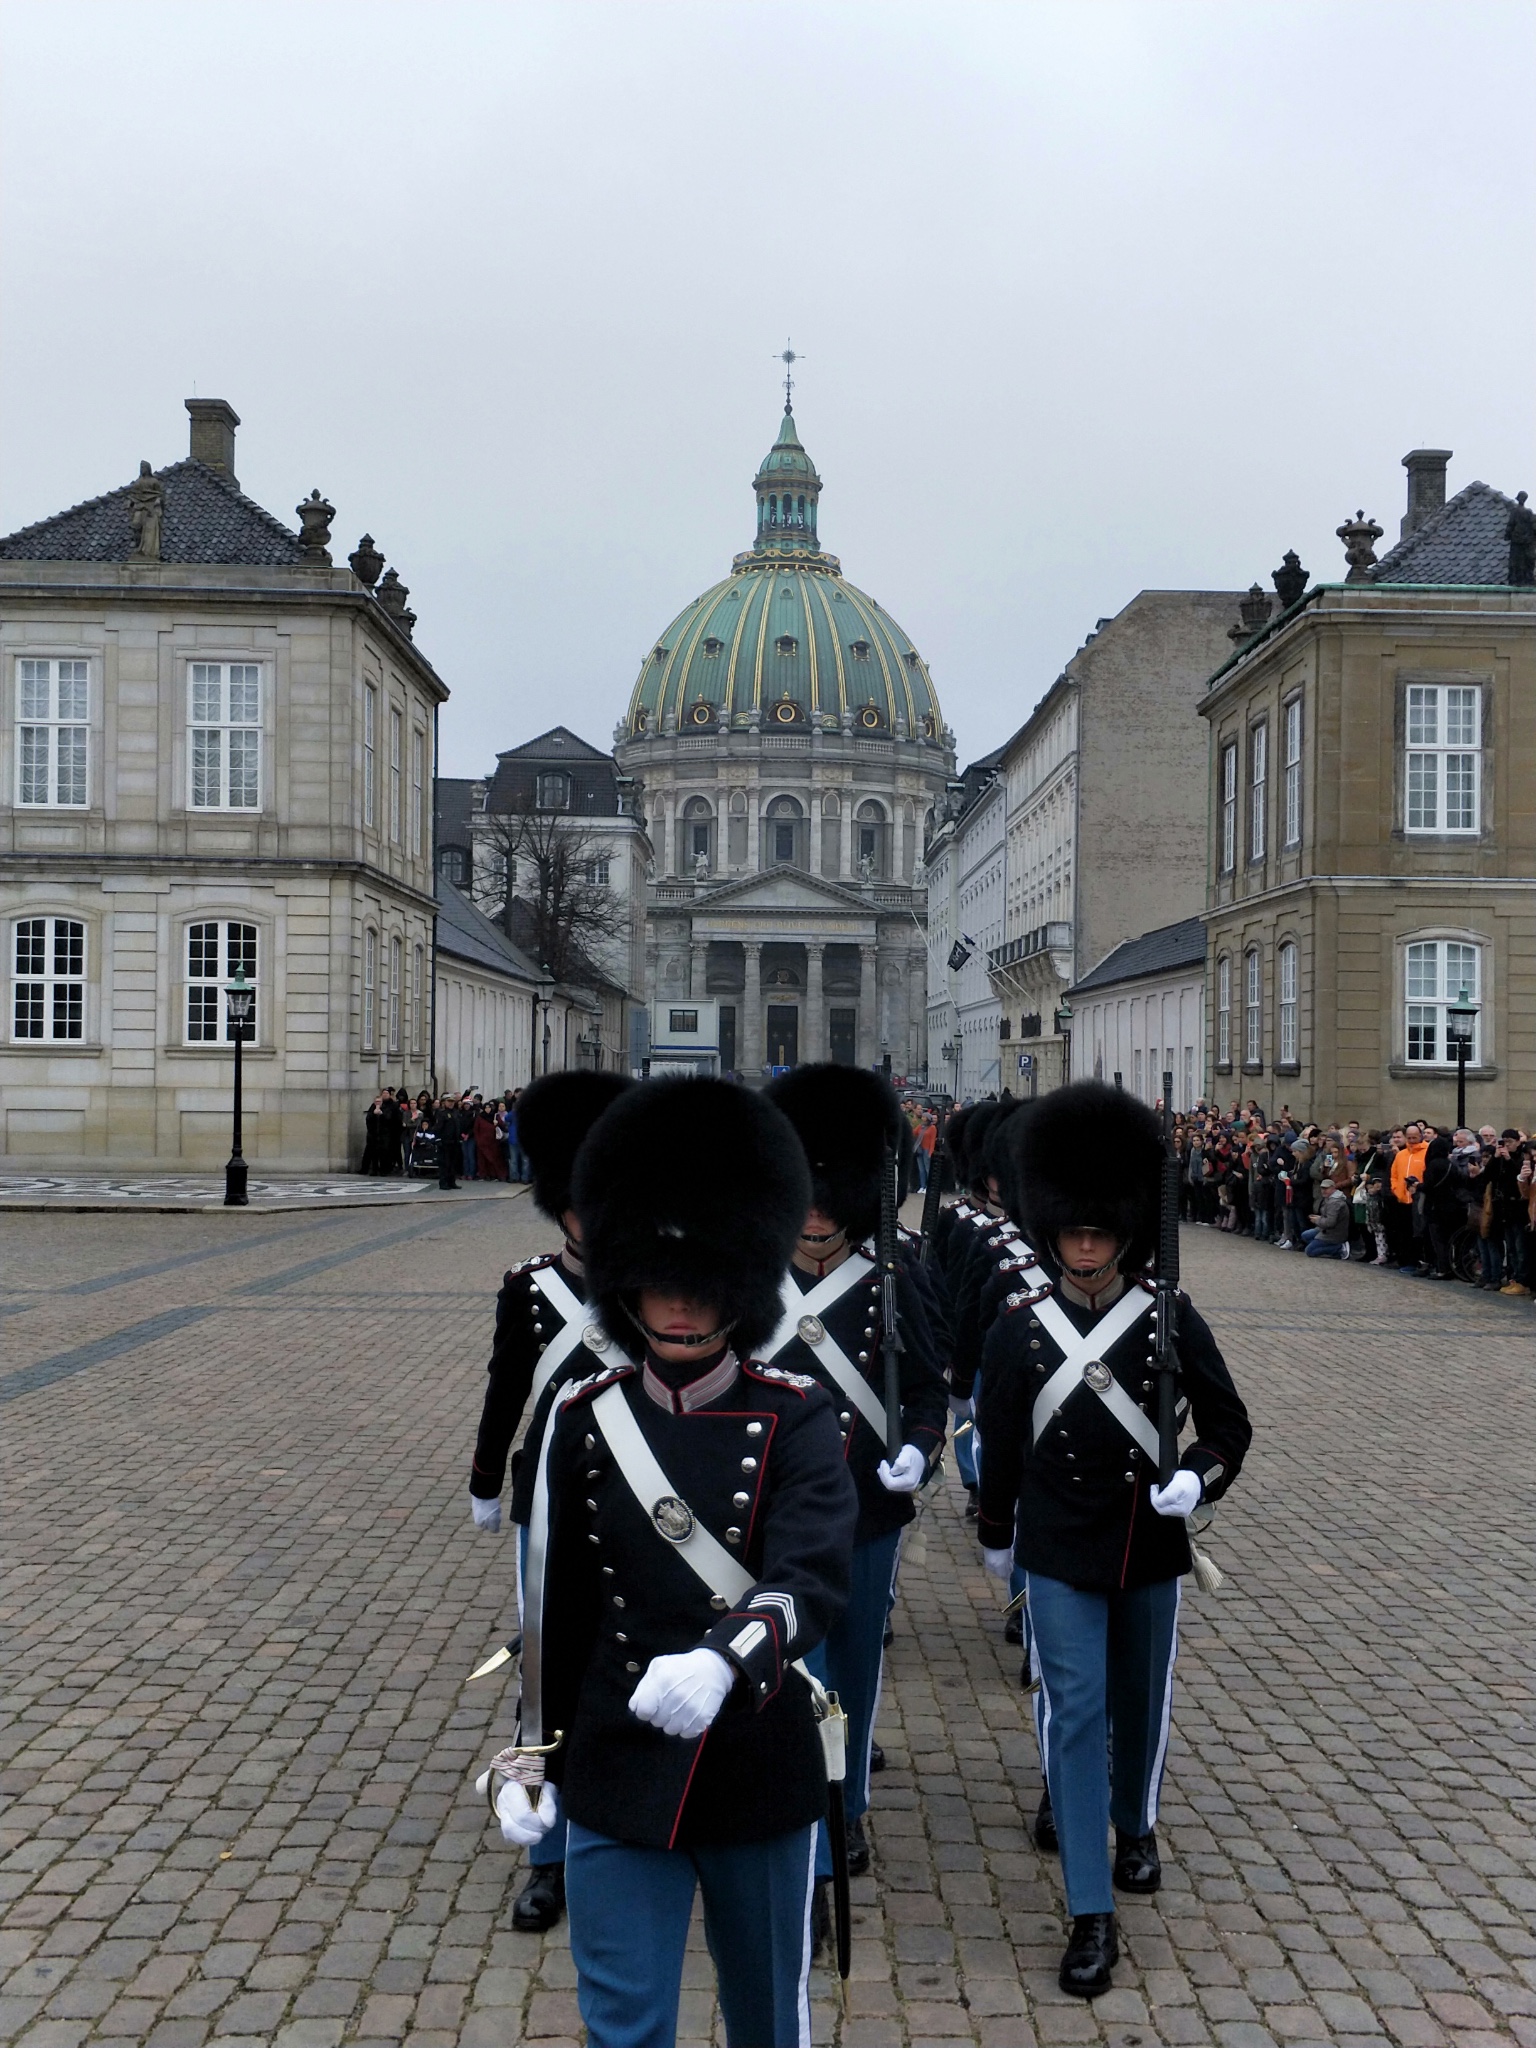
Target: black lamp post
(239, 998)
(950, 1052)
(1460, 1022)
(1064, 1026)
(546, 996)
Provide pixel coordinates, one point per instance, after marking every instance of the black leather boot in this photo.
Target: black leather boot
(1013, 1629)
(1138, 1867)
(541, 1901)
(858, 1849)
(876, 1757)
(1044, 1829)
(1091, 1954)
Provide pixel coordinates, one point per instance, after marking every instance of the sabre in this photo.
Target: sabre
(891, 1346)
(496, 1659)
(1166, 1303)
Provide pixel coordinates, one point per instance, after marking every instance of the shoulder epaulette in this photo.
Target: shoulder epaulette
(578, 1390)
(533, 1265)
(1019, 1265)
(1026, 1297)
(1147, 1285)
(778, 1375)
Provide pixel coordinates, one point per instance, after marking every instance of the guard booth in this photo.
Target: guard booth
(685, 1037)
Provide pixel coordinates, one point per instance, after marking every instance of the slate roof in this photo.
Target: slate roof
(594, 777)
(451, 794)
(207, 518)
(468, 934)
(1161, 952)
(1461, 543)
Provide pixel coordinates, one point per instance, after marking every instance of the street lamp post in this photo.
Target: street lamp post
(546, 997)
(239, 997)
(1064, 1027)
(1460, 1022)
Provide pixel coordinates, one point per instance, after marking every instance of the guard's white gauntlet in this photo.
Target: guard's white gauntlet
(1180, 1497)
(908, 1472)
(999, 1563)
(522, 1823)
(487, 1513)
(681, 1695)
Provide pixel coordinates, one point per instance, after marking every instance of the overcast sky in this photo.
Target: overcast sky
(1092, 297)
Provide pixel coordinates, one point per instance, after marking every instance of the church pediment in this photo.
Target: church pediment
(781, 889)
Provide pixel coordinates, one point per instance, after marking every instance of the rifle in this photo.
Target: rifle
(933, 1195)
(891, 1346)
(1166, 1304)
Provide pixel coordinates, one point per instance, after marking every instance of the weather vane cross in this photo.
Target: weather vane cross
(788, 358)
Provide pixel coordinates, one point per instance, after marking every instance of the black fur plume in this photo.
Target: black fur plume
(554, 1115)
(1088, 1156)
(845, 1117)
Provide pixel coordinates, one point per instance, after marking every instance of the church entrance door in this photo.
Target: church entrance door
(783, 1035)
(843, 1035)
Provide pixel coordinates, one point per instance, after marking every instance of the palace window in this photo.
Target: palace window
(53, 704)
(1438, 973)
(553, 792)
(396, 731)
(396, 979)
(224, 735)
(1444, 756)
(1253, 1007)
(370, 987)
(1258, 789)
(370, 753)
(215, 951)
(1293, 772)
(1224, 1011)
(49, 996)
(1287, 961)
(1229, 808)
(418, 994)
(418, 790)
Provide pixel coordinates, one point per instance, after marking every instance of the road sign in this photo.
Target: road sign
(1026, 1062)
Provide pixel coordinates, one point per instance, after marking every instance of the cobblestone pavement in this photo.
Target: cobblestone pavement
(242, 1593)
(174, 1192)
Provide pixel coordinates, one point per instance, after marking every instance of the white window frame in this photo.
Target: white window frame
(370, 987)
(418, 789)
(1229, 807)
(1442, 773)
(1253, 1007)
(1258, 788)
(396, 978)
(52, 979)
(1426, 997)
(236, 943)
(418, 994)
(1224, 1010)
(396, 770)
(370, 754)
(1287, 965)
(1295, 727)
(224, 748)
(53, 733)
(552, 790)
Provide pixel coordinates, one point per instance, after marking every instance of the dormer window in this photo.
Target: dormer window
(713, 647)
(661, 653)
(554, 792)
(787, 644)
(869, 718)
(912, 658)
(859, 649)
(702, 714)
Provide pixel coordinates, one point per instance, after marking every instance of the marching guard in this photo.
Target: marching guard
(692, 1523)
(1069, 1470)
(540, 1315)
(849, 1121)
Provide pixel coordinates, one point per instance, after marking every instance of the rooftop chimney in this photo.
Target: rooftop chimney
(1426, 486)
(214, 421)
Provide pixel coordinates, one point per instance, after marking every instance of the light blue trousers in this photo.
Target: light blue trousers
(1105, 1666)
(629, 1910)
(849, 1662)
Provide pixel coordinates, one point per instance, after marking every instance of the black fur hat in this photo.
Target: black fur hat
(1089, 1156)
(844, 1117)
(997, 1153)
(554, 1114)
(983, 1119)
(698, 1187)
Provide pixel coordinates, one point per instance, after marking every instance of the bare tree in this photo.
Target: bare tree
(544, 879)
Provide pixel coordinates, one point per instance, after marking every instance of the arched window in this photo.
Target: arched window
(49, 986)
(1253, 1007)
(698, 831)
(1286, 961)
(786, 832)
(800, 512)
(1224, 1010)
(773, 511)
(872, 838)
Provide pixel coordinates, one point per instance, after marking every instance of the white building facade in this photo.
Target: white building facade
(967, 873)
(1140, 1014)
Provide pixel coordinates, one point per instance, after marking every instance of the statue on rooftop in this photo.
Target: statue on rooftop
(146, 510)
(1520, 532)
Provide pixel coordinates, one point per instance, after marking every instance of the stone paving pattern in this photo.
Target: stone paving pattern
(242, 1592)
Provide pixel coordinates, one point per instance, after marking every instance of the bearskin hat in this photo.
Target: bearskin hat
(1089, 1156)
(697, 1187)
(554, 1115)
(845, 1117)
(977, 1131)
(997, 1153)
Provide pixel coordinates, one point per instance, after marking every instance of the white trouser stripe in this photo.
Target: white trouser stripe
(803, 1996)
(1155, 1786)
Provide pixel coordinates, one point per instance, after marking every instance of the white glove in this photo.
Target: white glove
(1180, 1497)
(963, 1408)
(487, 1513)
(999, 1563)
(908, 1472)
(522, 1824)
(681, 1695)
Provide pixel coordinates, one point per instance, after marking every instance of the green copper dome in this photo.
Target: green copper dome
(786, 641)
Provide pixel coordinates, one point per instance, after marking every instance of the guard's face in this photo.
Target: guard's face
(1087, 1255)
(819, 1235)
(675, 1322)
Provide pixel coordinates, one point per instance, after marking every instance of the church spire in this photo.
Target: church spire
(787, 490)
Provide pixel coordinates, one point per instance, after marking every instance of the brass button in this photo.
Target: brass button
(594, 1539)
(1034, 1343)
(620, 1637)
(591, 1443)
(607, 1571)
(631, 1667)
(754, 1429)
(846, 1416)
(542, 1349)
(741, 1500)
(749, 1464)
(592, 1504)
(863, 1358)
(1130, 1478)
(719, 1602)
(1071, 1457)
(733, 1535)
(618, 1599)
(595, 1473)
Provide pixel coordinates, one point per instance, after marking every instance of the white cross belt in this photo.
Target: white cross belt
(1079, 1353)
(578, 1319)
(803, 1310)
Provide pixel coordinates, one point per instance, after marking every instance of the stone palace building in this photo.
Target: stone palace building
(790, 753)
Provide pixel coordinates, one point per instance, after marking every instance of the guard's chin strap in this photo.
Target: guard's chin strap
(573, 1252)
(834, 1242)
(713, 1340)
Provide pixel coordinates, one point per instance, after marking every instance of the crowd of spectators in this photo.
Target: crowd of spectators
(473, 1137)
(1435, 1203)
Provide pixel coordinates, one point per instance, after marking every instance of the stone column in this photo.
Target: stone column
(749, 1033)
(754, 824)
(868, 1041)
(845, 837)
(815, 1046)
(698, 953)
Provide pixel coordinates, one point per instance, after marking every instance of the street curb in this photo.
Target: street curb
(130, 1205)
